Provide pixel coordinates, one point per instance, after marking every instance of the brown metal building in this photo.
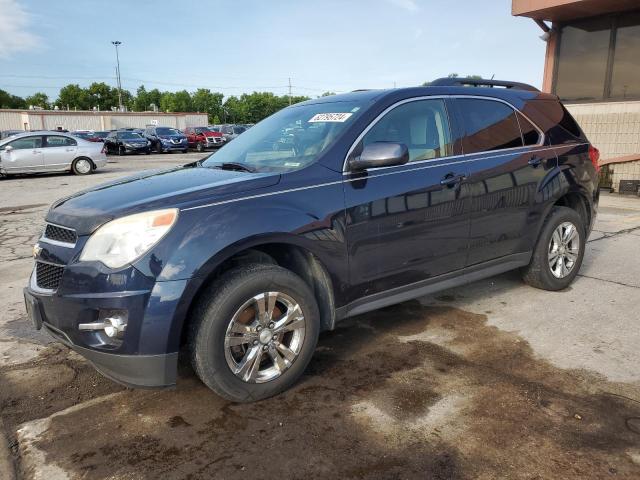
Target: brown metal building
(593, 64)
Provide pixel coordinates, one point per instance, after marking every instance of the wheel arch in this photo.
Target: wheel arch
(285, 252)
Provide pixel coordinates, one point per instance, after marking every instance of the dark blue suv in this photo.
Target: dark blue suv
(325, 210)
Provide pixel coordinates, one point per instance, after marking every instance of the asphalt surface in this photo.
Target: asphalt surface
(491, 380)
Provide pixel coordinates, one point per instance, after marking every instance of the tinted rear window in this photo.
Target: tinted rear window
(489, 125)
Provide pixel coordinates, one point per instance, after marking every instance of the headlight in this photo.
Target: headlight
(128, 145)
(126, 239)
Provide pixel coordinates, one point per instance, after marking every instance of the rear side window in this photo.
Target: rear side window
(421, 125)
(530, 134)
(488, 125)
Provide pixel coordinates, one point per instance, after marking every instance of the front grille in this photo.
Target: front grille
(48, 276)
(60, 234)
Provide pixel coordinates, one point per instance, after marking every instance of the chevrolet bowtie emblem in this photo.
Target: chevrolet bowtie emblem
(36, 250)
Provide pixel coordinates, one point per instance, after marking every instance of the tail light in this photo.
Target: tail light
(594, 155)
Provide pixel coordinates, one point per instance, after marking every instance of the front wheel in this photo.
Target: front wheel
(200, 147)
(121, 151)
(254, 332)
(158, 147)
(559, 252)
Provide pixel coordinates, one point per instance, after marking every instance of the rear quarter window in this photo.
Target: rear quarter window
(554, 119)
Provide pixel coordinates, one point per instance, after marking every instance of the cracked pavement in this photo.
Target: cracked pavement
(490, 380)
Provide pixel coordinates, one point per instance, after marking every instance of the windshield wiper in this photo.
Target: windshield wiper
(237, 166)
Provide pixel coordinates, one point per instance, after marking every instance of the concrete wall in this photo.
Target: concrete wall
(614, 128)
(51, 120)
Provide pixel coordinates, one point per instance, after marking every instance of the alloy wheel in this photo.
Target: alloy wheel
(83, 166)
(264, 337)
(564, 248)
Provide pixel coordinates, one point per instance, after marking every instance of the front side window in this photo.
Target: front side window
(167, 131)
(421, 125)
(290, 139)
(55, 141)
(26, 143)
(489, 125)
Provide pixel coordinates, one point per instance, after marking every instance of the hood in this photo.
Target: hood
(171, 137)
(134, 140)
(212, 134)
(178, 187)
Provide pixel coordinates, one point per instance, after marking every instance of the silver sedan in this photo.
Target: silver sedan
(36, 152)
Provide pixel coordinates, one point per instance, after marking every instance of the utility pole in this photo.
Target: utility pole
(116, 44)
(289, 91)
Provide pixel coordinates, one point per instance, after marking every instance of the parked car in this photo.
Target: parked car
(229, 132)
(166, 139)
(101, 134)
(202, 138)
(87, 135)
(36, 152)
(241, 259)
(125, 141)
(9, 133)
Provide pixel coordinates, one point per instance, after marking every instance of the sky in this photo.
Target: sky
(251, 45)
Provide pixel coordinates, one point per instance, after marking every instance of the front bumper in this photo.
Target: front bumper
(137, 149)
(167, 147)
(148, 354)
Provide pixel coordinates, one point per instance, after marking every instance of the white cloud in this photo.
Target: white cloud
(15, 36)
(409, 5)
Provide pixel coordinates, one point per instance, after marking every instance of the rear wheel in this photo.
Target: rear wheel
(559, 252)
(254, 332)
(82, 166)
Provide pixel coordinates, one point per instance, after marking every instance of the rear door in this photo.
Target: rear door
(408, 223)
(59, 152)
(507, 162)
(24, 155)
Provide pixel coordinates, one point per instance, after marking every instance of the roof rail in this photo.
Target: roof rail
(480, 82)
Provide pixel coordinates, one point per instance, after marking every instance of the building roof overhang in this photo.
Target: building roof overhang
(565, 10)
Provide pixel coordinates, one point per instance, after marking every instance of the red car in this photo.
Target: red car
(202, 138)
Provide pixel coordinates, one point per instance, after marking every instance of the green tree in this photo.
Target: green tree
(11, 101)
(182, 102)
(102, 96)
(38, 99)
(327, 94)
(73, 96)
(203, 100)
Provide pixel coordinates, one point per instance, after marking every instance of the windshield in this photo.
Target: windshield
(238, 130)
(290, 139)
(130, 135)
(168, 131)
(202, 130)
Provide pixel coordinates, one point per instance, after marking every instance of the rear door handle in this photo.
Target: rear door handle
(534, 161)
(451, 179)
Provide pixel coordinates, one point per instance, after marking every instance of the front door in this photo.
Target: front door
(59, 152)
(24, 155)
(507, 163)
(408, 223)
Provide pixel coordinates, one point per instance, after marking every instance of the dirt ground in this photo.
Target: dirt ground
(491, 380)
(406, 392)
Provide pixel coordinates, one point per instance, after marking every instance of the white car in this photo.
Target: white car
(36, 152)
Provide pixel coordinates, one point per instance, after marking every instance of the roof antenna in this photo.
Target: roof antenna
(493, 76)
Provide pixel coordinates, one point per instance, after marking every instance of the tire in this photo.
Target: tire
(540, 272)
(200, 147)
(158, 147)
(79, 166)
(121, 151)
(148, 151)
(222, 303)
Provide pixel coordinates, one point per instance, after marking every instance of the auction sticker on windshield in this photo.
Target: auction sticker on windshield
(330, 117)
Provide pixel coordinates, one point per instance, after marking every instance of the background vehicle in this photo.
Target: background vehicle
(35, 152)
(124, 141)
(87, 135)
(166, 139)
(229, 131)
(101, 135)
(202, 138)
(378, 197)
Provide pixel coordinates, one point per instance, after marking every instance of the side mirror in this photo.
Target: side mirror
(8, 148)
(380, 154)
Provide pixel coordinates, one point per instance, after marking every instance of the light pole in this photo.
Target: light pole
(116, 44)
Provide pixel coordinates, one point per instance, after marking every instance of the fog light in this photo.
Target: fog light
(112, 322)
